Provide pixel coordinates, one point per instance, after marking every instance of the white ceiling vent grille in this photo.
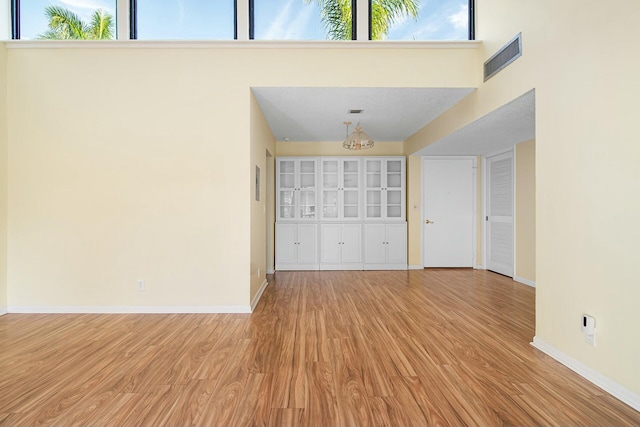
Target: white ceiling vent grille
(505, 56)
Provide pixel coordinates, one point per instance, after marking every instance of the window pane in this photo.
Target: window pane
(301, 20)
(35, 16)
(436, 20)
(185, 19)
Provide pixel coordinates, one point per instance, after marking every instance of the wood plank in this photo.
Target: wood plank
(340, 348)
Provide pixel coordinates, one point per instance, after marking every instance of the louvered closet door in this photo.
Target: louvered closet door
(500, 213)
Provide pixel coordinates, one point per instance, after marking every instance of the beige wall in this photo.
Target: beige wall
(3, 179)
(261, 141)
(525, 211)
(414, 211)
(576, 57)
(155, 181)
(118, 176)
(336, 149)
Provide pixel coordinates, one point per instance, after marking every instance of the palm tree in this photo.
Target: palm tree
(336, 16)
(66, 25)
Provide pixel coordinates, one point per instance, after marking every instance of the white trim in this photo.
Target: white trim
(607, 384)
(238, 44)
(362, 20)
(270, 271)
(130, 309)
(5, 20)
(415, 267)
(483, 178)
(479, 267)
(122, 19)
(258, 295)
(525, 281)
(370, 267)
(474, 230)
(242, 19)
(3, 311)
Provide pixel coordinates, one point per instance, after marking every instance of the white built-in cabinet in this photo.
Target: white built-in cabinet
(341, 213)
(385, 188)
(297, 194)
(386, 246)
(296, 246)
(341, 188)
(341, 246)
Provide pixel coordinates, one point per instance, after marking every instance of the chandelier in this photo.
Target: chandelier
(358, 139)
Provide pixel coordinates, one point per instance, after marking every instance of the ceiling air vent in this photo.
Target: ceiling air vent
(355, 111)
(505, 56)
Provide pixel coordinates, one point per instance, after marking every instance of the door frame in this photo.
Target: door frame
(474, 212)
(485, 241)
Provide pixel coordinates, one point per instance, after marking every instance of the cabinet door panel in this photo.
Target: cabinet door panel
(330, 204)
(394, 204)
(373, 204)
(374, 246)
(307, 204)
(307, 173)
(397, 243)
(393, 174)
(286, 247)
(330, 247)
(286, 200)
(307, 243)
(352, 243)
(351, 204)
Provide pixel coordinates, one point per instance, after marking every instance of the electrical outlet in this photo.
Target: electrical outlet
(140, 285)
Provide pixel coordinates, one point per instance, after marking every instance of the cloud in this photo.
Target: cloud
(292, 21)
(276, 29)
(85, 4)
(460, 19)
(180, 12)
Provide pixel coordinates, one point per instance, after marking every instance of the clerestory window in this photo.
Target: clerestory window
(421, 20)
(63, 20)
(407, 20)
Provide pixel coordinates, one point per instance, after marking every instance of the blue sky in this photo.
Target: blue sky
(274, 19)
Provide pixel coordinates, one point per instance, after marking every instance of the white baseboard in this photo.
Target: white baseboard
(129, 309)
(415, 267)
(605, 383)
(270, 270)
(3, 310)
(479, 267)
(524, 281)
(258, 295)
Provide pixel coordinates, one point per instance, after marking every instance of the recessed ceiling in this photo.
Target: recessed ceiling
(317, 114)
(502, 128)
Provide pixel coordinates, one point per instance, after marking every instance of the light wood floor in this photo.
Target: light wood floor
(435, 347)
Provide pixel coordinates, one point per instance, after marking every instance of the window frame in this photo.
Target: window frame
(15, 19)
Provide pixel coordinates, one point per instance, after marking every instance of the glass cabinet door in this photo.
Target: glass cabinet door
(286, 192)
(307, 190)
(351, 189)
(373, 191)
(330, 193)
(394, 189)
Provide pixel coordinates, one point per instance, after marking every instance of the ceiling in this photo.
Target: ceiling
(306, 114)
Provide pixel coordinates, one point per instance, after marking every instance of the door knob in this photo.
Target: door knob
(428, 221)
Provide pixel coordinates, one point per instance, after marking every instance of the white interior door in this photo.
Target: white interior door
(499, 215)
(449, 211)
